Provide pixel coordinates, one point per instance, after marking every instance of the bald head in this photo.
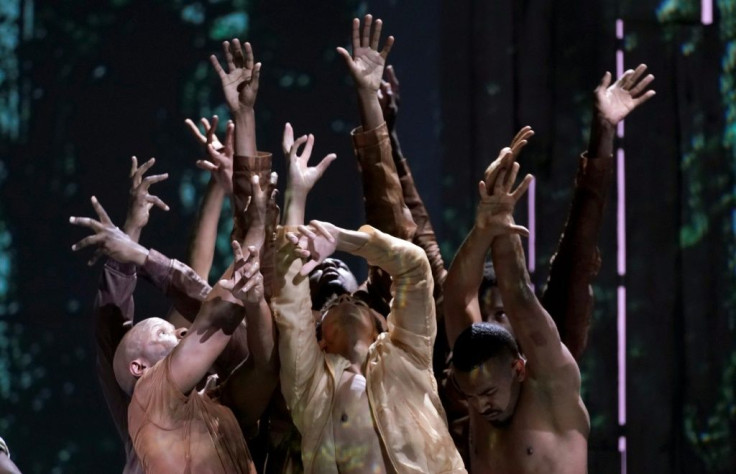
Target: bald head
(142, 347)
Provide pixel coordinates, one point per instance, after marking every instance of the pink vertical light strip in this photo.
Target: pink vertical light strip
(621, 330)
(620, 66)
(532, 250)
(622, 450)
(621, 212)
(706, 12)
(621, 262)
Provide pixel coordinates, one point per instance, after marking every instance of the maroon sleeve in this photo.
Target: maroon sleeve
(177, 281)
(113, 316)
(568, 296)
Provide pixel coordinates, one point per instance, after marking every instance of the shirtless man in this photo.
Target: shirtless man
(173, 426)
(526, 414)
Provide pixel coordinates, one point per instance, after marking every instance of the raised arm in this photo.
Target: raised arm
(220, 163)
(384, 205)
(424, 236)
(461, 305)
(240, 85)
(568, 296)
(300, 178)
(114, 306)
(548, 359)
(412, 317)
(301, 359)
(219, 317)
(249, 389)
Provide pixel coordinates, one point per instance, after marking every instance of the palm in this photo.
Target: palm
(615, 104)
(368, 67)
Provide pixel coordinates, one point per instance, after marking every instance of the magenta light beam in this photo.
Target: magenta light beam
(706, 12)
(532, 251)
(621, 261)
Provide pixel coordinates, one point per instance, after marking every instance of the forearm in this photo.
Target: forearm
(602, 133)
(412, 307)
(424, 236)
(511, 274)
(371, 115)
(384, 203)
(180, 283)
(294, 207)
(245, 132)
(260, 333)
(204, 233)
(463, 281)
(299, 353)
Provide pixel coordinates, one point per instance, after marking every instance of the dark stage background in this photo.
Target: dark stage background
(84, 85)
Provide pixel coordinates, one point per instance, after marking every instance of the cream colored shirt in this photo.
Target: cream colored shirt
(401, 387)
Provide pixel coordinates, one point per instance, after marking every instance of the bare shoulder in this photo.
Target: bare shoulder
(556, 389)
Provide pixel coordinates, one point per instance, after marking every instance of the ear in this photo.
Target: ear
(519, 368)
(137, 368)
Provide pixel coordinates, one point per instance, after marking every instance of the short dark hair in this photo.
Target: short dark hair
(480, 342)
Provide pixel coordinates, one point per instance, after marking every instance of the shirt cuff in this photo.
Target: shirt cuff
(158, 268)
(127, 269)
(370, 138)
(258, 163)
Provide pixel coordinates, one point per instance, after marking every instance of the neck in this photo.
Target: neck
(356, 354)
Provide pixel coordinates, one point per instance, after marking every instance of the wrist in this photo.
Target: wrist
(243, 114)
(349, 240)
(293, 210)
(366, 93)
(602, 134)
(140, 255)
(132, 230)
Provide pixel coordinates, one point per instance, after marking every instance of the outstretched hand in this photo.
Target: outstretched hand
(108, 239)
(246, 283)
(209, 136)
(614, 102)
(496, 207)
(315, 242)
(366, 63)
(301, 178)
(220, 162)
(517, 144)
(141, 201)
(240, 82)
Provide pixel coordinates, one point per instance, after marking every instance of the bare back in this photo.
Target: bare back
(358, 446)
(548, 433)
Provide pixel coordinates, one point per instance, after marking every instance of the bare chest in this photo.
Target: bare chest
(525, 446)
(358, 446)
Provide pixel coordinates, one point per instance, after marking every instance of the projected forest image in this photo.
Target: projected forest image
(86, 85)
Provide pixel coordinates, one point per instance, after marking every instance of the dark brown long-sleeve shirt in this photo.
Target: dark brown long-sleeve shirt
(568, 296)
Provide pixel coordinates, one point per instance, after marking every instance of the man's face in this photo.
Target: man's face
(491, 308)
(330, 277)
(344, 324)
(492, 389)
(160, 338)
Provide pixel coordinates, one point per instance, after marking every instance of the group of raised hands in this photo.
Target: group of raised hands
(243, 174)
